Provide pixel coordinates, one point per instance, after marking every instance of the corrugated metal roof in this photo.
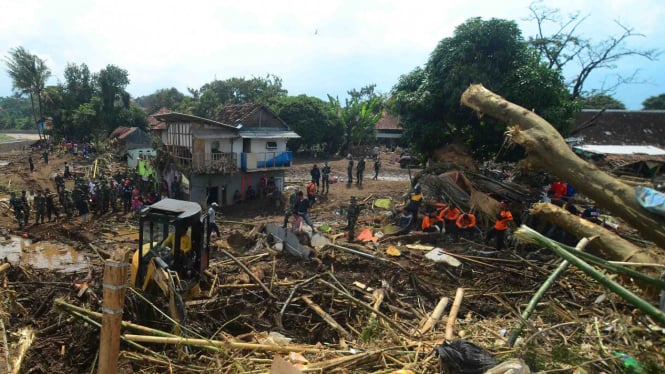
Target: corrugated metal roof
(269, 134)
(175, 117)
(621, 149)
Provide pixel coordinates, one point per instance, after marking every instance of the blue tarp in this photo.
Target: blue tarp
(650, 199)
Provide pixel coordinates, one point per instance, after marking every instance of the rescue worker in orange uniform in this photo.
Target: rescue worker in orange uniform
(431, 223)
(450, 216)
(500, 226)
(466, 224)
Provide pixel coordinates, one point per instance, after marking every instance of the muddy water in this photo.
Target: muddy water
(42, 255)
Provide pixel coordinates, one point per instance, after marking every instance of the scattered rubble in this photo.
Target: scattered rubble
(321, 303)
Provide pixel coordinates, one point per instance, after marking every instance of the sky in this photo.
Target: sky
(316, 47)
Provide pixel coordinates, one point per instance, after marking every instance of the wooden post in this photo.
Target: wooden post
(115, 286)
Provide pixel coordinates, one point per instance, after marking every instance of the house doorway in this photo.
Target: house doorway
(213, 195)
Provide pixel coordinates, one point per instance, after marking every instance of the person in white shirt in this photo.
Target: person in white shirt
(212, 225)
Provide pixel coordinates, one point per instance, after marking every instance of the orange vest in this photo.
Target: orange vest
(502, 224)
(467, 223)
(450, 214)
(427, 222)
(311, 189)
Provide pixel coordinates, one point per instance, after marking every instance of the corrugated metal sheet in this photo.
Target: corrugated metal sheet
(621, 149)
(269, 134)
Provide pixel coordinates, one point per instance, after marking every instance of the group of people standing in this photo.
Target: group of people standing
(360, 169)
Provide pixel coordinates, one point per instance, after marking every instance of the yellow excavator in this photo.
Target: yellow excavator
(172, 253)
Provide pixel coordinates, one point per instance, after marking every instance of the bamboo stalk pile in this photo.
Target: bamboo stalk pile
(356, 315)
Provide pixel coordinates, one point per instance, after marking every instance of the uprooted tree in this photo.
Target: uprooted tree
(546, 149)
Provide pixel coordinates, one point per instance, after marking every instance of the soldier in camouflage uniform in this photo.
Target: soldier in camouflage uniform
(352, 214)
(25, 208)
(40, 207)
(60, 186)
(50, 205)
(15, 203)
(68, 204)
(290, 206)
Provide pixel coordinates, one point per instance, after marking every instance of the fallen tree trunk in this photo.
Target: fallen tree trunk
(615, 247)
(547, 149)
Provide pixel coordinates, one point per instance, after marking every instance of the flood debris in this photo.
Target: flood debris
(314, 300)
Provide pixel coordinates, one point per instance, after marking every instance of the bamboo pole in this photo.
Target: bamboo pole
(223, 344)
(327, 317)
(115, 286)
(435, 316)
(526, 233)
(390, 321)
(459, 295)
(25, 341)
(540, 293)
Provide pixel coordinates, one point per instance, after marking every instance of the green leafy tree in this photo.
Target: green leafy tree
(15, 113)
(29, 74)
(359, 115)
(602, 101)
(493, 53)
(110, 85)
(654, 103)
(214, 95)
(310, 118)
(169, 98)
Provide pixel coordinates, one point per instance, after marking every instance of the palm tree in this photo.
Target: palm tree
(29, 74)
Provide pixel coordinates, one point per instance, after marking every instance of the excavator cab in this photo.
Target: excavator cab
(172, 252)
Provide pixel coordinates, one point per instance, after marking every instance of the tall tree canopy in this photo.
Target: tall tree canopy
(169, 98)
(601, 101)
(493, 53)
(312, 119)
(654, 102)
(211, 97)
(29, 74)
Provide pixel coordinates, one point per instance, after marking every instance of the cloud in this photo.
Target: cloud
(316, 47)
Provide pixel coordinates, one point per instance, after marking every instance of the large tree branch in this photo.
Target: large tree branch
(546, 149)
(615, 247)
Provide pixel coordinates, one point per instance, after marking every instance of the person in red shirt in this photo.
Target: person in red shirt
(500, 226)
(559, 190)
(466, 224)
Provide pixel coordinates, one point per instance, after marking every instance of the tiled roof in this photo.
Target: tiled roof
(621, 127)
(246, 114)
(154, 123)
(388, 122)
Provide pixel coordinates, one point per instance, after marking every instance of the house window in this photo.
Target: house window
(271, 145)
(215, 147)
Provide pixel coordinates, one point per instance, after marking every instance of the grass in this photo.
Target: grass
(5, 137)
